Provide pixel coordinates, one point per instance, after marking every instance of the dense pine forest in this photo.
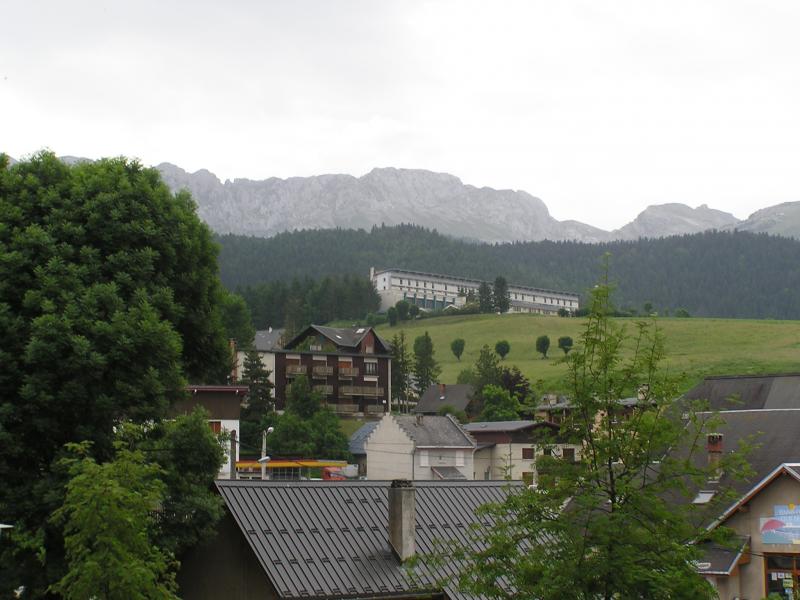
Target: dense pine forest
(712, 274)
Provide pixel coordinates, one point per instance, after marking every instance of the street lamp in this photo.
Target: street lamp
(264, 458)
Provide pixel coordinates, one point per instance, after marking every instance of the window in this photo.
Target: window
(370, 368)
(569, 455)
(216, 426)
(423, 458)
(527, 453)
(782, 572)
(548, 452)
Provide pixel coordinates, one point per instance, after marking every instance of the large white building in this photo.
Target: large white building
(436, 292)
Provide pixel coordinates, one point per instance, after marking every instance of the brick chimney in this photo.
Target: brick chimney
(442, 390)
(402, 518)
(714, 447)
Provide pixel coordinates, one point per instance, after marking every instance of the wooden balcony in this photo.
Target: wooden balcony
(348, 372)
(295, 370)
(322, 371)
(326, 390)
(361, 390)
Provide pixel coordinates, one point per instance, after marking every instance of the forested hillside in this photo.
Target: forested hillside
(723, 274)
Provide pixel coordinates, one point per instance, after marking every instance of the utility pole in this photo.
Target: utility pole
(233, 454)
(263, 455)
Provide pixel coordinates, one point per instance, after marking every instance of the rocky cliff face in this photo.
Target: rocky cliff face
(674, 219)
(390, 196)
(781, 219)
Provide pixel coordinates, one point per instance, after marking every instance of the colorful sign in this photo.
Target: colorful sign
(783, 527)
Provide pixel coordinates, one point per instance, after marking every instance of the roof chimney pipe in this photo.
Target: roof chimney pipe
(714, 447)
(402, 518)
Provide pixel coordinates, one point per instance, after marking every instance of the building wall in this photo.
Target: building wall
(228, 426)
(425, 458)
(751, 577)
(267, 359)
(390, 452)
(432, 291)
(504, 460)
(223, 567)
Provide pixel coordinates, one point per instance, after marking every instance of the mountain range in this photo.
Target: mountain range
(393, 196)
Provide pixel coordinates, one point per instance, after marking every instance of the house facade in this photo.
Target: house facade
(265, 342)
(350, 367)
(432, 291)
(419, 448)
(509, 449)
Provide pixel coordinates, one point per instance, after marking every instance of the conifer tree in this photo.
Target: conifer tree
(426, 369)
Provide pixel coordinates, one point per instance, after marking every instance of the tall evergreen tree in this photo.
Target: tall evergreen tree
(500, 295)
(485, 298)
(426, 369)
(402, 367)
(258, 404)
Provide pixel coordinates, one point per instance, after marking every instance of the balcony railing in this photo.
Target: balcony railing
(294, 370)
(327, 390)
(361, 390)
(343, 408)
(348, 372)
(322, 371)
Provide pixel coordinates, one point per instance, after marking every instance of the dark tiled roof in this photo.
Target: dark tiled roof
(330, 539)
(267, 340)
(345, 338)
(360, 436)
(720, 560)
(748, 392)
(434, 431)
(457, 395)
(500, 426)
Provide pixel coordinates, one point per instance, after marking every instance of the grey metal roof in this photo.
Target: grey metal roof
(267, 340)
(457, 395)
(448, 473)
(328, 539)
(434, 431)
(499, 426)
(360, 436)
(748, 392)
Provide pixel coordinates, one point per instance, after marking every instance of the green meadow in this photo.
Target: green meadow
(695, 347)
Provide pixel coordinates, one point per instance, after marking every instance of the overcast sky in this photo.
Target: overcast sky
(600, 108)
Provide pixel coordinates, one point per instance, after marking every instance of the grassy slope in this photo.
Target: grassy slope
(696, 347)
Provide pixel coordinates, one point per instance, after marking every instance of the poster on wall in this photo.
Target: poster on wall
(783, 527)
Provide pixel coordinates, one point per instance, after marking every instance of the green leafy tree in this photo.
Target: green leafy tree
(413, 311)
(457, 347)
(485, 298)
(329, 440)
(301, 399)
(543, 345)
(502, 348)
(607, 526)
(563, 312)
(402, 307)
(565, 343)
(109, 300)
(293, 437)
(426, 369)
(648, 308)
(107, 517)
(236, 319)
(392, 315)
(515, 383)
(498, 405)
(402, 368)
(447, 409)
(487, 371)
(500, 295)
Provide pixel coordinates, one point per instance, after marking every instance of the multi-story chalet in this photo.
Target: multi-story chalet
(350, 367)
(432, 291)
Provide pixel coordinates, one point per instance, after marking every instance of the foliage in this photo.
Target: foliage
(515, 383)
(498, 405)
(236, 319)
(189, 455)
(426, 369)
(329, 440)
(402, 367)
(292, 437)
(402, 307)
(619, 523)
(107, 518)
(457, 347)
(500, 295)
(109, 298)
(682, 313)
(256, 410)
(485, 298)
(565, 343)
(306, 301)
(447, 409)
(301, 399)
(413, 311)
(711, 274)
(542, 345)
(502, 348)
(392, 315)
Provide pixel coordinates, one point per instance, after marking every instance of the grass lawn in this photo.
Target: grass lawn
(695, 347)
(349, 426)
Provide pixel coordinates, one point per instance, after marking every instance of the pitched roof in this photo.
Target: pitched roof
(745, 392)
(721, 560)
(360, 436)
(342, 337)
(448, 473)
(330, 539)
(456, 395)
(500, 426)
(434, 431)
(267, 339)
